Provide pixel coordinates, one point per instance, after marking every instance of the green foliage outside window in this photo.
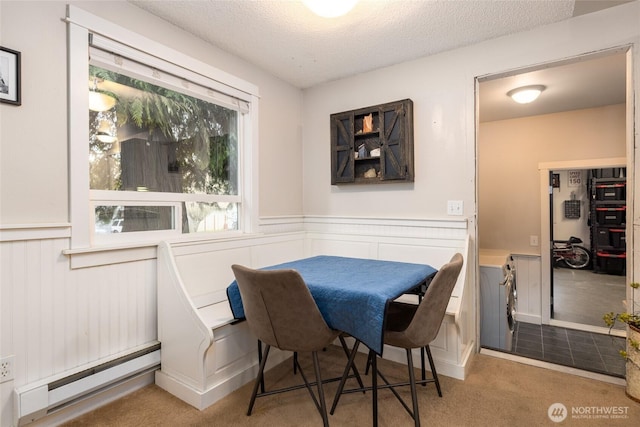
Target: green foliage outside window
(174, 143)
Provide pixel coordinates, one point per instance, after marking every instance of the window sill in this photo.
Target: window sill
(128, 252)
(105, 255)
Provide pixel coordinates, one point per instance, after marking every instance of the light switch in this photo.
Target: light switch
(454, 207)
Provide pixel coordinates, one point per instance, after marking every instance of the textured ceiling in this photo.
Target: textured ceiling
(586, 82)
(289, 41)
(284, 38)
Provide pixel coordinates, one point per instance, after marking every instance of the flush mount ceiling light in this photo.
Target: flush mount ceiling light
(526, 94)
(100, 101)
(330, 8)
(107, 132)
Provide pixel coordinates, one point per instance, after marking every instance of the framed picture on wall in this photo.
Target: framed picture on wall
(556, 180)
(9, 76)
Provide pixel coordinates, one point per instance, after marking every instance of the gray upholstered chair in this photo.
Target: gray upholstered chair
(282, 313)
(412, 326)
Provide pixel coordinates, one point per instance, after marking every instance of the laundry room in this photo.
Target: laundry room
(521, 157)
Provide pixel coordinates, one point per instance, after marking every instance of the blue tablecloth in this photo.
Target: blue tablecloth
(351, 293)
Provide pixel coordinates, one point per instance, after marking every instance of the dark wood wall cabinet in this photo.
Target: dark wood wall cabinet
(373, 144)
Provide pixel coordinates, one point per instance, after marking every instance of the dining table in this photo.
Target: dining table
(352, 294)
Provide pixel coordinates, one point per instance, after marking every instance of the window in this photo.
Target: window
(157, 139)
(167, 143)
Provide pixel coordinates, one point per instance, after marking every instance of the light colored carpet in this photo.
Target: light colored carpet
(497, 392)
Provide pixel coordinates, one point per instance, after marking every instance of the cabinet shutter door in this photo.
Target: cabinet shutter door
(342, 167)
(393, 156)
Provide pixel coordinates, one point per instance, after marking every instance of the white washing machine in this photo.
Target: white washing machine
(497, 299)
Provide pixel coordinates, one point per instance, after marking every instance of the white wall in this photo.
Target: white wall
(563, 227)
(33, 136)
(509, 154)
(442, 89)
(443, 137)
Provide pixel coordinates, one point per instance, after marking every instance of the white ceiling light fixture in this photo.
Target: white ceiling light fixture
(106, 133)
(99, 101)
(526, 94)
(330, 8)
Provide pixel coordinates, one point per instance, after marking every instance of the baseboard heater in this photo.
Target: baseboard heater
(35, 401)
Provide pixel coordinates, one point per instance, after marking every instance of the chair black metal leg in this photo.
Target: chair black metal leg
(323, 405)
(374, 385)
(295, 362)
(433, 371)
(260, 361)
(345, 375)
(259, 379)
(424, 373)
(412, 381)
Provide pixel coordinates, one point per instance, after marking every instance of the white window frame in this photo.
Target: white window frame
(82, 200)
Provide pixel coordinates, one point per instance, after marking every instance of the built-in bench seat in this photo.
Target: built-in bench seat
(214, 309)
(205, 355)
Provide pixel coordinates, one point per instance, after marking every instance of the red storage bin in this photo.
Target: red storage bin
(611, 216)
(610, 192)
(603, 237)
(618, 238)
(612, 263)
(609, 173)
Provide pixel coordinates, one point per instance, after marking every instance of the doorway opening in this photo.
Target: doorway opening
(587, 217)
(519, 152)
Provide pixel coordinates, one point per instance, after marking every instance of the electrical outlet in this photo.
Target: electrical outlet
(454, 207)
(6, 369)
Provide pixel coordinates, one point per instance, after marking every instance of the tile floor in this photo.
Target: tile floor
(581, 297)
(579, 349)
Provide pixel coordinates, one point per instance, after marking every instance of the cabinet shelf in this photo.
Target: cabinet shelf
(386, 130)
(366, 134)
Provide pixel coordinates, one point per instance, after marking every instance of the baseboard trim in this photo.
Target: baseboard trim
(203, 399)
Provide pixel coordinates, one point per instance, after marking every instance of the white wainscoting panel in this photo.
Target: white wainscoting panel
(428, 241)
(528, 283)
(63, 310)
(55, 319)
(438, 231)
(281, 224)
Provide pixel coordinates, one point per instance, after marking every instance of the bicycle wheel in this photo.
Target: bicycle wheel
(580, 258)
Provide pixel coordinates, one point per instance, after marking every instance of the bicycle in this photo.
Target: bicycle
(571, 254)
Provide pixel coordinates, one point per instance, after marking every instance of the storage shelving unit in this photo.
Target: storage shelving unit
(608, 220)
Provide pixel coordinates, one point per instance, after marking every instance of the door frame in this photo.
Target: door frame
(545, 230)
